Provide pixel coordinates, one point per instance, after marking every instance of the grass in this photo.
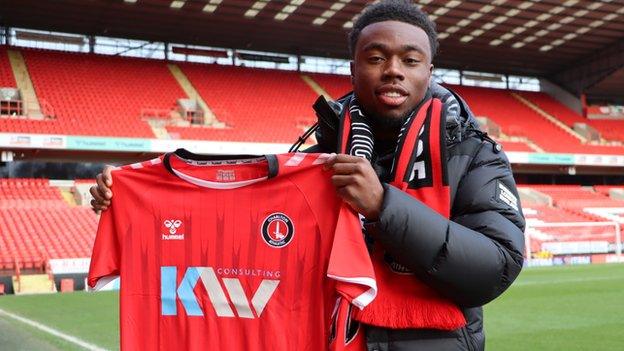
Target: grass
(92, 317)
(560, 308)
(554, 308)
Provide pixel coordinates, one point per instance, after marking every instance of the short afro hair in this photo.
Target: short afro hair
(394, 10)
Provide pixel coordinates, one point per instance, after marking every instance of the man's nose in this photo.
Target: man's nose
(393, 69)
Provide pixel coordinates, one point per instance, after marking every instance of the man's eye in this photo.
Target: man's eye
(411, 61)
(375, 59)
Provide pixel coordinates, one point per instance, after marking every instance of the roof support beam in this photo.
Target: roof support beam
(592, 70)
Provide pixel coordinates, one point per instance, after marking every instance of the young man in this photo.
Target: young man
(440, 204)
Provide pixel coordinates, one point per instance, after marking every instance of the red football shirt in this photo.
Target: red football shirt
(230, 254)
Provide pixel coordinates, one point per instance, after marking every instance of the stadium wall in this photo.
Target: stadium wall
(561, 95)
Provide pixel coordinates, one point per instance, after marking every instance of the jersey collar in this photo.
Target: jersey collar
(186, 155)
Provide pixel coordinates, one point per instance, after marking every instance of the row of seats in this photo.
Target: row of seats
(574, 196)
(517, 119)
(7, 80)
(95, 94)
(609, 129)
(37, 224)
(256, 105)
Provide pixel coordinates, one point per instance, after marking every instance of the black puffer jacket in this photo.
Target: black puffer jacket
(471, 258)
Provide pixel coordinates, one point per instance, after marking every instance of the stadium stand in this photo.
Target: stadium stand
(7, 80)
(37, 224)
(517, 119)
(569, 207)
(105, 95)
(575, 196)
(606, 189)
(257, 105)
(552, 106)
(609, 129)
(335, 85)
(95, 94)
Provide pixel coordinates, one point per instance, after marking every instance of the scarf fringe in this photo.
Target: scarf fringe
(414, 312)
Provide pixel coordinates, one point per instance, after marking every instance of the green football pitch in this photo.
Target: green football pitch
(554, 308)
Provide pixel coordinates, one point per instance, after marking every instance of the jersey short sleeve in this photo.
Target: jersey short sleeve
(349, 262)
(106, 256)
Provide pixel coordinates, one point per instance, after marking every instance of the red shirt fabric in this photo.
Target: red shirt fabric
(230, 254)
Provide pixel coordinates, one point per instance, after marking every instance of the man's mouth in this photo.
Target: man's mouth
(391, 96)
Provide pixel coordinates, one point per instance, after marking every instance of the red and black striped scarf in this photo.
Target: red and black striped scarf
(419, 169)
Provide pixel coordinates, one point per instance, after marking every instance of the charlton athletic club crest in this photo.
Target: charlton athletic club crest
(277, 230)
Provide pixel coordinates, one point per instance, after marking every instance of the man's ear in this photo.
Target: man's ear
(430, 73)
(352, 69)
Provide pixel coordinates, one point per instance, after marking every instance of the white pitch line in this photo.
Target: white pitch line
(562, 281)
(52, 331)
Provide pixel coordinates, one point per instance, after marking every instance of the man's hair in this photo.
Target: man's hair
(394, 10)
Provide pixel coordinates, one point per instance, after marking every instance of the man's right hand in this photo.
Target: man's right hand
(101, 192)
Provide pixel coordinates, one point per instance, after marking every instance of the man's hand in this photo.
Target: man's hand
(357, 184)
(101, 192)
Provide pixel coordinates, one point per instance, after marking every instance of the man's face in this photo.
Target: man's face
(390, 70)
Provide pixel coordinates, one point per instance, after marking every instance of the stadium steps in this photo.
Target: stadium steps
(617, 194)
(515, 139)
(158, 128)
(549, 117)
(209, 117)
(68, 197)
(315, 86)
(334, 84)
(509, 143)
(533, 146)
(534, 197)
(24, 84)
(34, 284)
(81, 193)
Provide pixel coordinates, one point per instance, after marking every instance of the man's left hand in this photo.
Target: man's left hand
(357, 184)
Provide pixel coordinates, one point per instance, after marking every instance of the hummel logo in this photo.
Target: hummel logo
(174, 227)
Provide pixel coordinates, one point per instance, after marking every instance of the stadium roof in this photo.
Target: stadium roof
(578, 44)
